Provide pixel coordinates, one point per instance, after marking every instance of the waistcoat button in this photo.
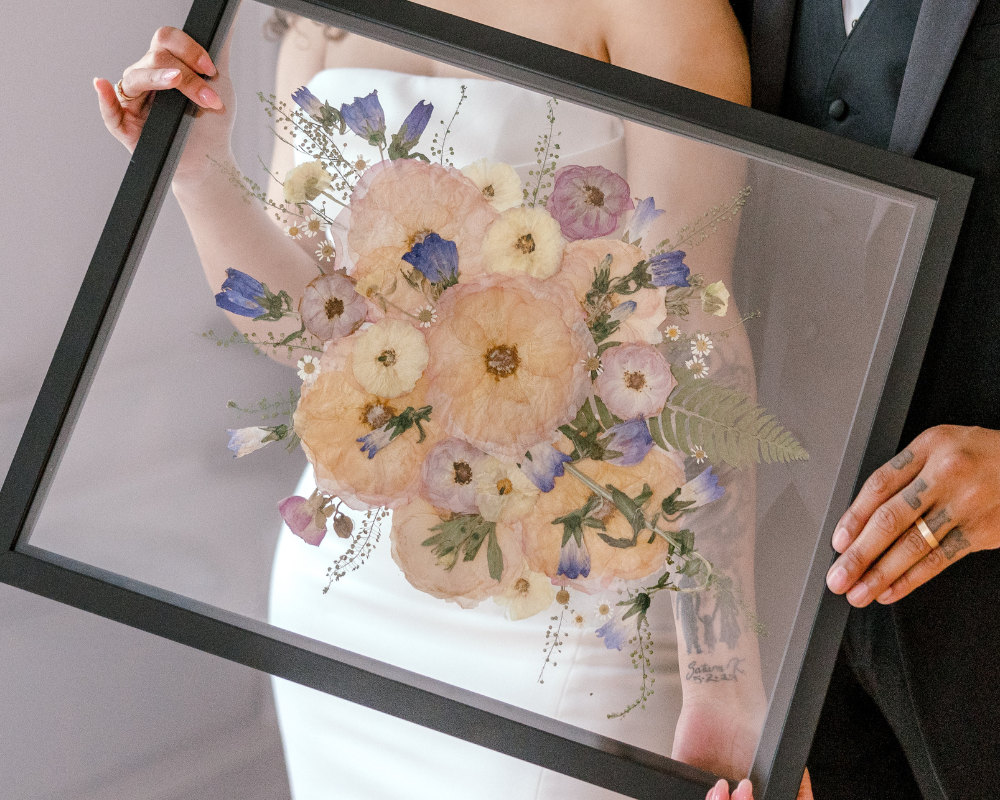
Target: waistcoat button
(838, 109)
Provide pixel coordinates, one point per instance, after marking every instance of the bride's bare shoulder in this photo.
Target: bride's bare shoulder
(693, 43)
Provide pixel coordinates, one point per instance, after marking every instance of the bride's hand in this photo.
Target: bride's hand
(745, 791)
(174, 61)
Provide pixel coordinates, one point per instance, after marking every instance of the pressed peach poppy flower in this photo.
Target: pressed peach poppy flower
(506, 364)
(400, 206)
(330, 419)
(466, 582)
(582, 257)
(543, 540)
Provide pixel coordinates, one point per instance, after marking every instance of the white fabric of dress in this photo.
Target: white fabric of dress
(334, 749)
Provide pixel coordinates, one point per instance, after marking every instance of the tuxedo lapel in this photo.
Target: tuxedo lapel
(770, 37)
(941, 27)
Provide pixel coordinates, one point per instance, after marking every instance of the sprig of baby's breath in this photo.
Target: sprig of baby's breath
(545, 148)
(360, 549)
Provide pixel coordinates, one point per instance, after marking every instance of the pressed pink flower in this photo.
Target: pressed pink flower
(588, 201)
(398, 207)
(542, 540)
(636, 381)
(466, 582)
(331, 418)
(330, 307)
(506, 364)
(303, 515)
(582, 257)
(449, 475)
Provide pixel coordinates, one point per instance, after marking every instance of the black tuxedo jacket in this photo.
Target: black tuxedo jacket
(948, 631)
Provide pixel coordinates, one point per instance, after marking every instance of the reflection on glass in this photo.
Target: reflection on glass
(549, 310)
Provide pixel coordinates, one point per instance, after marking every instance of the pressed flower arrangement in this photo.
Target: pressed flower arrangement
(503, 368)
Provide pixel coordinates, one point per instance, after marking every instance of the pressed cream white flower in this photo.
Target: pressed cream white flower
(389, 358)
(325, 251)
(715, 299)
(672, 332)
(306, 182)
(308, 369)
(312, 225)
(503, 492)
(294, 230)
(526, 241)
(530, 594)
(497, 181)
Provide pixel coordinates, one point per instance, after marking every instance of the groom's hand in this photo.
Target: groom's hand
(949, 480)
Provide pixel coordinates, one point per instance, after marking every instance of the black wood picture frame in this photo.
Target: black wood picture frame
(554, 745)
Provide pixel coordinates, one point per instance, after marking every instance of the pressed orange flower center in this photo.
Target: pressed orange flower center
(418, 237)
(333, 307)
(635, 380)
(463, 473)
(525, 244)
(504, 486)
(488, 191)
(502, 361)
(360, 165)
(562, 597)
(522, 586)
(308, 367)
(593, 363)
(375, 415)
(387, 358)
(595, 196)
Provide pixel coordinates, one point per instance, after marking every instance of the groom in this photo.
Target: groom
(914, 704)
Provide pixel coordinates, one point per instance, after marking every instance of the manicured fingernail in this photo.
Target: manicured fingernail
(884, 597)
(744, 790)
(168, 75)
(841, 539)
(205, 66)
(209, 98)
(859, 594)
(720, 790)
(837, 580)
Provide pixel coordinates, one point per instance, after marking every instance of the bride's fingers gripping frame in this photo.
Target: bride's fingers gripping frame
(934, 503)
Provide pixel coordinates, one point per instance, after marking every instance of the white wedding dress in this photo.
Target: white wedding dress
(334, 749)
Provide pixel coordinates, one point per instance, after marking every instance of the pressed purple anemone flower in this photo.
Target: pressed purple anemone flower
(301, 515)
(669, 269)
(436, 259)
(366, 118)
(449, 475)
(588, 202)
(632, 439)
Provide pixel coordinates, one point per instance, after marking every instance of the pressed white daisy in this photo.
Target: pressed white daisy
(604, 610)
(306, 182)
(295, 230)
(701, 345)
(526, 241)
(593, 363)
(313, 225)
(389, 358)
(699, 454)
(503, 492)
(698, 367)
(672, 332)
(308, 368)
(578, 619)
(360, 165)
(527, 596)
(325, 251)
(497, 181)
(426, 316)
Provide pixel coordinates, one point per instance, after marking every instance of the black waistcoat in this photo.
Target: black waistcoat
(849, 85)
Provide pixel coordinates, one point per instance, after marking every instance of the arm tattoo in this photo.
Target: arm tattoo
(936, 521)
(902, 460)
(954, 542)
(912, 493)
(714, 673)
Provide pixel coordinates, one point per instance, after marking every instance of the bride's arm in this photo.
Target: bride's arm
(698, 44)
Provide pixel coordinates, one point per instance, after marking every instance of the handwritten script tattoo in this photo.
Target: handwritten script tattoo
(912, 493)
(902, 460)
(954, 542)
(714, 673)
(937, 520)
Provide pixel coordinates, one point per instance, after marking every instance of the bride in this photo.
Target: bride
(333, 748)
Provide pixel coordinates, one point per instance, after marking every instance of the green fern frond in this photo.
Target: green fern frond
(727, 424)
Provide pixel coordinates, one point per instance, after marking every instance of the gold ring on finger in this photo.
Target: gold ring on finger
(926, 533)
(121, 93)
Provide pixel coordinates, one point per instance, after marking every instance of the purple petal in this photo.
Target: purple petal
(308, 102)
(543, 464)
(300, 517)
(645, 215)
(436, 258)
(669, 269)
(365, 117)
(632, 439)
(375, 441)
(415, 123)
(701, 490)
(574, 559)
(614, 632)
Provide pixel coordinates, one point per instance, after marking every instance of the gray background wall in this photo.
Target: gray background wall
(88, 708)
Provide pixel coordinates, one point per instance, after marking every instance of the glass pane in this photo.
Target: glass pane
(572, 439)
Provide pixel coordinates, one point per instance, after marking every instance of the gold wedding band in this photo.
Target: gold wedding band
(121, 93)
(926, 533)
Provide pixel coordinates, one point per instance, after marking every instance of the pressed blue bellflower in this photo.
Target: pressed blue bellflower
(543, 464)
(241, 294)
(366, 118)
(632, 439)
(645, 214)
(414, 124)
(309, 103)
(614, 632)
(436, 259)
(574, 559)
(669, 269)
